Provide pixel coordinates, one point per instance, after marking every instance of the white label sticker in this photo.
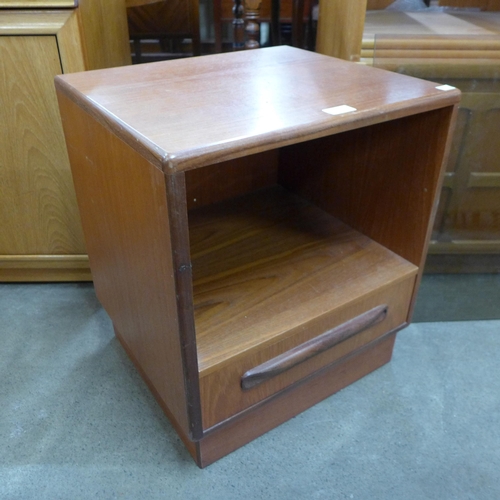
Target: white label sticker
(445, 87)
(339, 110)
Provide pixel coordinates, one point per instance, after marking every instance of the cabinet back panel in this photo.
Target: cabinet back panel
(208, 185)
(382, 180)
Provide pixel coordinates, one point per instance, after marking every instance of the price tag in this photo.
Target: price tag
(339, 110)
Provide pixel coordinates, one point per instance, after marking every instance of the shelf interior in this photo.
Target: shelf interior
(269, 261)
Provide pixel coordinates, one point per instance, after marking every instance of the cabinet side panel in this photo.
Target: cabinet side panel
(382, 180)
(122, 200)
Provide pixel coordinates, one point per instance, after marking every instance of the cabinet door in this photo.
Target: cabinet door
(470, 205)
(37, 202)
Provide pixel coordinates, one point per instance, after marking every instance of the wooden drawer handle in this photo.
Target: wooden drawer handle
(312, 347)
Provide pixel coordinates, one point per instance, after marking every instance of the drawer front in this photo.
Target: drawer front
(261, 373)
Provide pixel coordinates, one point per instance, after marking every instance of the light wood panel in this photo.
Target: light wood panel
(41, 232)
(15, 268)
(38, 206)
(104, 33)
(340, 28)
(37, 4)
(70, 45)
(28, 22)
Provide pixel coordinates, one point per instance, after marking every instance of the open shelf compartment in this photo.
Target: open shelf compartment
(292, 242)
(268, 262)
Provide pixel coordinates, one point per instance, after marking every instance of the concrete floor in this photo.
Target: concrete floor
(77, 422)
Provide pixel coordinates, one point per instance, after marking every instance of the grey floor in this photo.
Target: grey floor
(77, 422)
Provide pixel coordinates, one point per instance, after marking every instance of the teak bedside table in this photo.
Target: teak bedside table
(255, 252)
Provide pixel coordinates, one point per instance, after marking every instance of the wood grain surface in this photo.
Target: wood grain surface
(221, 391)
(231, 435)
(361, 169)
(340, 28)
(126, 222)
(311, 348)
(205, 186)
(269, 262)
(37, 4)
(216, 205)
(71, 46)
(33, 268)
(38, 205)
(37, 201)
(252, 101)
(29, 22)
(104, 33)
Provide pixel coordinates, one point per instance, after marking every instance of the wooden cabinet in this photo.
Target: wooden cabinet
(256, 225)
(461, 49)
(40, 236)
(161, 29)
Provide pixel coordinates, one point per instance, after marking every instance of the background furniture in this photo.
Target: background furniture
(170, 22)
(481, 4)
(256, 240)
(293, 14)
(340, 28)
(40, 235)
(461, 49)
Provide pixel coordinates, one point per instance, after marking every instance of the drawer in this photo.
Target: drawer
(263, 372)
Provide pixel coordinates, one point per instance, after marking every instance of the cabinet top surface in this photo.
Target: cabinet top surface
(192, 112)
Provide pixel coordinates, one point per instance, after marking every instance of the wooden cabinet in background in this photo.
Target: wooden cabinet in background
(256, 223)
(40, 230)
(163, 29)
(461, 49)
